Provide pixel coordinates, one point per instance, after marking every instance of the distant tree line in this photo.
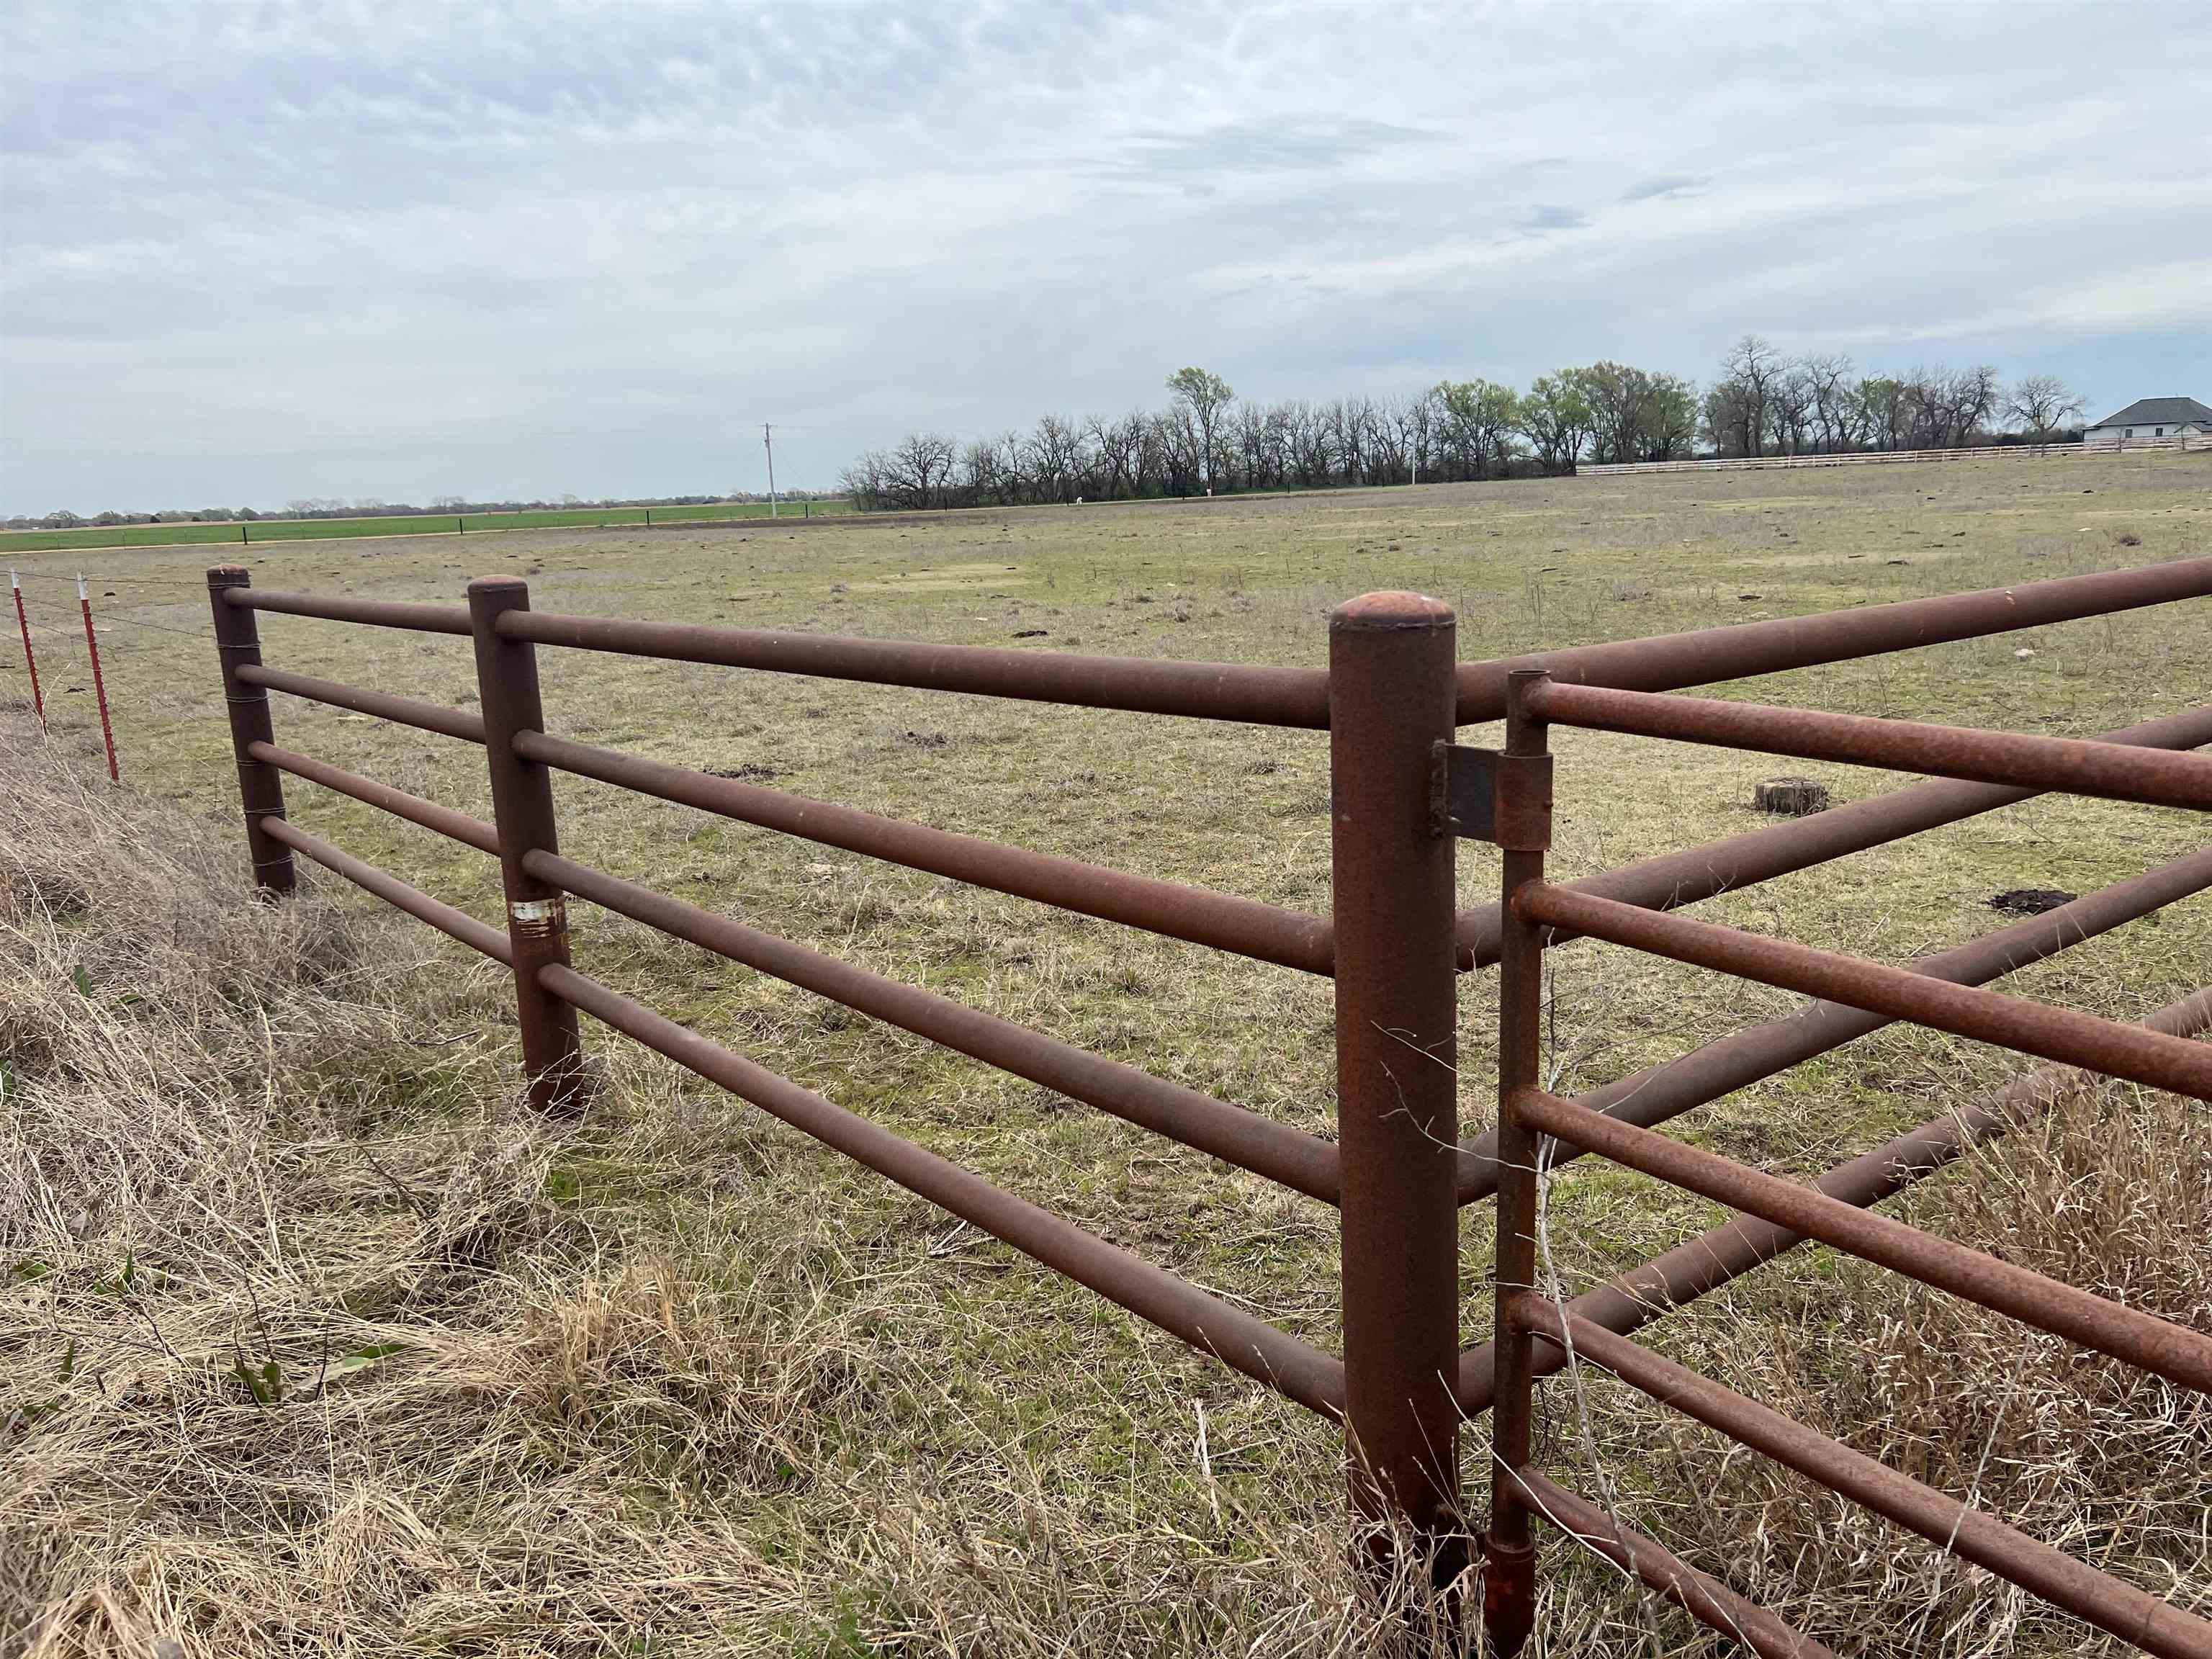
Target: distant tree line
(1767, 403)
(1209, 441)
(314, 507)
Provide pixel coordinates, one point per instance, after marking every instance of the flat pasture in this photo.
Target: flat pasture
(1014, 1427)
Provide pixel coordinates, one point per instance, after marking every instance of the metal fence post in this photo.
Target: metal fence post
(1390, 690)
(261, 785)
(1508, 1601)
(30, 657)
(522, 808)
(99, 680)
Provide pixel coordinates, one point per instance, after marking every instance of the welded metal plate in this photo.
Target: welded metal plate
(1480, 794)
(1464, 793)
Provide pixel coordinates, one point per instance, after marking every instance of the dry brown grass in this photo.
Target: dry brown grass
(674, 1381)
(699, 1417)
(2109, 1188)
(244, 1141)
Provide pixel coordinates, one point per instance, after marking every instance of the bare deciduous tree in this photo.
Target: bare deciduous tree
(1055, 458)
(1837, 413)
(2042, 404)
(1117, 445)
(1750, 370)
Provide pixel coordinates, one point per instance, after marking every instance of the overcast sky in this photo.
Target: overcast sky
(400, 249)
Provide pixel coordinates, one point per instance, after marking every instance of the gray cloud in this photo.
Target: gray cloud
(1667, 187)
(1546, 217)
(312, 248)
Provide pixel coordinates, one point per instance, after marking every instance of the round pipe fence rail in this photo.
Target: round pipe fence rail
(1403, 793)
(1533, 1122)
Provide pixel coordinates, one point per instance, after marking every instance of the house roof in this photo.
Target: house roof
(2159, 411)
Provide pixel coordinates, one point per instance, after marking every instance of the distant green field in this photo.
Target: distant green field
(412, 524)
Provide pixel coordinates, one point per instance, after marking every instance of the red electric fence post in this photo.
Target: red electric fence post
(30, 661)
(99, 685)
(1390, 692)
(522, 807)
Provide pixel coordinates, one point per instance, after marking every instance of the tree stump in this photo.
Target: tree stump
(1795, 797)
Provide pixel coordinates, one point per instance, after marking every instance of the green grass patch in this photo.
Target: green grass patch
(409, 523)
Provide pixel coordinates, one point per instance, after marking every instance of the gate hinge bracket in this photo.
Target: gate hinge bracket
(1480, 794)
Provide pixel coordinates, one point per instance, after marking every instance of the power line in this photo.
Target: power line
(768, 441)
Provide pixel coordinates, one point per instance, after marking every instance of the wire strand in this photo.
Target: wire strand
(132, 581)
(158, 627)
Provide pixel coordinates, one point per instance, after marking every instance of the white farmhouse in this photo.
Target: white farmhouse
(2151, 418)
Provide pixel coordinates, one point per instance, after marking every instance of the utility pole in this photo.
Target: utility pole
(767, 442)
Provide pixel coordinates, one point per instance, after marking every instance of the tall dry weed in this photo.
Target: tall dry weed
(2108, 1187)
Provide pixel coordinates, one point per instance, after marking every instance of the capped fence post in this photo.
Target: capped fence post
(1390, 692)
(261, 785)
(522, 808)
(1509, 1598)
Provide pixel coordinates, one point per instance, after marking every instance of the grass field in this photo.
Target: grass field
(681, 1371)
(13, 541)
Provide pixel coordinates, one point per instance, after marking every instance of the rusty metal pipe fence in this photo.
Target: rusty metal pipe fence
(1403, 792)
(1535, 1125)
